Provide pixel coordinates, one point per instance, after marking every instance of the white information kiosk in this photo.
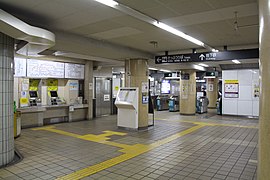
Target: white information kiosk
(127, 104)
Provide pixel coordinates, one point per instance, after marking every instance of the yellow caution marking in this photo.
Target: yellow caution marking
(130, 151)
(210, 124)
(52, 129)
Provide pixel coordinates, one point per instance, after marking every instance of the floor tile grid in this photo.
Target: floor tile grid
(167, 149)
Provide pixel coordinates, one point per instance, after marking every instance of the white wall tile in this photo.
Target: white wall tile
(245, 77)
(229, 107)
(245, 93)
(245, 108)
(255, 108)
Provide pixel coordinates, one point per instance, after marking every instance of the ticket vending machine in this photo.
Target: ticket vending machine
(33, 98)
(127, 103)
(53, 98)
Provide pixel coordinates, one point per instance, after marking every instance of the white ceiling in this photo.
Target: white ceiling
(211, 21)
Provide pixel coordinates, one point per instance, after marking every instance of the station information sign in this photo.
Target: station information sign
(208, 56)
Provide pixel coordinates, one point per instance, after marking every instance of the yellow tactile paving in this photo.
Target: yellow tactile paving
(209, 123)
(130, 152)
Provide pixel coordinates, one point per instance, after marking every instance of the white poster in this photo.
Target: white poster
(106, 97)
(210, 87)
(144, 87)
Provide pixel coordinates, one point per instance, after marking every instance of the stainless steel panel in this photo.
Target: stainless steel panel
(103, 96)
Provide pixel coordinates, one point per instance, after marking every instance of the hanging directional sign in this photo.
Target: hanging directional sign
(208, 56)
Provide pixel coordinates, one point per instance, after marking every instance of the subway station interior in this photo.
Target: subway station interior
(133, 89)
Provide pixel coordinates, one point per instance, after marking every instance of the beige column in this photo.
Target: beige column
(136, 74)
(188, 92)
(264, 120)
(212, 91)
(88, 88)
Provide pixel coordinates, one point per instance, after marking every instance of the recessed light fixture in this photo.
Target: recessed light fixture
(236, 61)
(110, 3)
(204, 65)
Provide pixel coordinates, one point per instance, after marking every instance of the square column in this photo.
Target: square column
(137, 76)
(188, 93)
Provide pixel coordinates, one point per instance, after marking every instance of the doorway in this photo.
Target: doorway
(103, 94)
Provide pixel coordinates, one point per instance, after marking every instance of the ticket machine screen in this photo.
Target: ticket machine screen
(53, 93)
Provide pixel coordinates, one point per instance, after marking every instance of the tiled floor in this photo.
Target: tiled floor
(203, 147)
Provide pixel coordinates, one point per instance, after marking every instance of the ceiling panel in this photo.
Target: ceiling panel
(228, 3)
(92, 28)
(208, 20)
(80, 18)
(115, 33)
(139, 4)
(189, 6)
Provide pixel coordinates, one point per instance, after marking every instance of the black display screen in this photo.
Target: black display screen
(53, 93)
(33, 94)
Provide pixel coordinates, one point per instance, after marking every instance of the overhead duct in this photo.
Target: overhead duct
(38, 39)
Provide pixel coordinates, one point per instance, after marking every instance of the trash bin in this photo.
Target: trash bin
(17, 121)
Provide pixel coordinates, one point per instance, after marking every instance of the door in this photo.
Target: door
(103, 96)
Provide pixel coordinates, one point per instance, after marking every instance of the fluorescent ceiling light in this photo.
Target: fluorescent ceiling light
(178, 33)
(164, 70)
(154, 69)
(209, 77)
(198, 67)
(136, 14)
(215, 50)
(200, 80)
(110, 3)
(204, 65)
(236, 61)
(172, 77)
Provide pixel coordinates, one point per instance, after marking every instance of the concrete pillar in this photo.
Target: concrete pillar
(6, 99)
(264, 116)
(187, 92)
(212, 91)
(88, 87)
(136, 74)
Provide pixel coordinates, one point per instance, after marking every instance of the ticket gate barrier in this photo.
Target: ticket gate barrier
(173, 104)
(201, 105)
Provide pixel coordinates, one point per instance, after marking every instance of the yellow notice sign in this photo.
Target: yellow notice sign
(116, 88)
(23, 101)
(231, 81)
(33, 84)
(52, 84)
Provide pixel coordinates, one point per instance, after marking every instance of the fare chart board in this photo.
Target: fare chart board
(74, 71)
(20, 67)
(33, 68)
(45, 69)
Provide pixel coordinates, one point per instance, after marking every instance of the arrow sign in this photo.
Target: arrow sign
(202, 57)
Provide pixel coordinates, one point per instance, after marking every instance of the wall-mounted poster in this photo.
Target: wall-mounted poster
(256, 90)
(231, 89)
